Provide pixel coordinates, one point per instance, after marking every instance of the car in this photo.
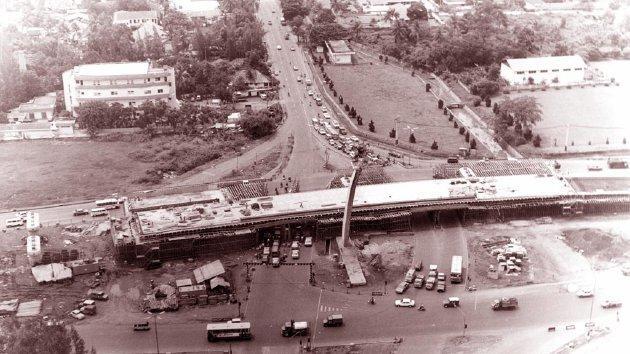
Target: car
(275, 262)
(609, 304)
(339, 146)
(324, 109)
(263, 96)
(441, 286)
(430, 283)
(299, 79)
(594, 168)
(310, 92)
(273, 11)
(328, 136)
(584, 293)
(77, 314)
(405, 303)
(295, 68)
(22, 214)
(322, 132)
(269, 23)
(441, 277)
(292, 49)
(308, 242)
(402, 287)
(295, 254)
(98, 295)
(331, 141)
(79, 212)
(279, 47)
(419, 282)
(432, 274)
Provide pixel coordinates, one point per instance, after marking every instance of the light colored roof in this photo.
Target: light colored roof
(123, 16)
(51, 272)
(339, 46)
(148, 29)
(218, 281)
(192, 288)
(8, 306)
(195, 5)
(183, 282)
(112, 69)
(546, 63)
(46, 102)
(29, 308)
(208, 271)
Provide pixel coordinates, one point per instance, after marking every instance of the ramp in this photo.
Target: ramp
(353, 267)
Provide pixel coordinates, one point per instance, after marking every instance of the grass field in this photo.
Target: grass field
(384, 94)
(44, 172)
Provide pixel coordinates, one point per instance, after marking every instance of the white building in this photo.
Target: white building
(339, 52)
(544, 70)
(39, 108)
(203, 10)
(129, 84)
(134, 19)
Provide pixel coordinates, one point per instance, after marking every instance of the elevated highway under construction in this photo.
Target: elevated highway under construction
(211, 222)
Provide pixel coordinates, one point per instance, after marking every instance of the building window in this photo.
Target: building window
(532, 71)
(131, 92)
(83, 92)
(578, 69)
(97, 93)
(148, 79)
(114, 93)
(165, 78)
(555, 70)
(96, 82)
(147, 92)
(160, 90)
(543, 71)
(520, 72)
(157, 79)
(77, 81)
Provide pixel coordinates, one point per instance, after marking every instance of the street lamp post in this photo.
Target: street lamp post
(590, 317)
(464, 320)
(157, 343)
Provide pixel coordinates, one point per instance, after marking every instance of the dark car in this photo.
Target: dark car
(79, 212)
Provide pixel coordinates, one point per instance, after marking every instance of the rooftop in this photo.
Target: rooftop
(537, 63)
(39, 103)
(124, 16)
(339, 46)
(194, 215)
(114, 69)
(208, 271)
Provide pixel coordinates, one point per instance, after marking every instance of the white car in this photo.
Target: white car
(295, 254)
(310, 92)
(322, 132)
(77, 314)
(594, 168)
(609, 304)
(292, 49)
(324, 109)
(279, 47)
(584, 293)
(295, 68)
(405, 303)
(308, 241)
(299, 79)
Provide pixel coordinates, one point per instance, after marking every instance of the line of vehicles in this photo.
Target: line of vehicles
(434, 278)
(271, 254)
(102, 207)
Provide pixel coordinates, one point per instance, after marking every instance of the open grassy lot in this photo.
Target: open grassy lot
(384, 94)
(44, 172)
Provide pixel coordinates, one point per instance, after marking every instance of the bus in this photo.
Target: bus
(456, 269)
(15, 222)
(98, 212)
(230, 330)
(106, 202)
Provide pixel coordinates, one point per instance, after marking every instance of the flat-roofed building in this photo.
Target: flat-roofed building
(129, 84)
(39, 108)
(202, 10)
(339, 52)
(134, 19)
(544, 70)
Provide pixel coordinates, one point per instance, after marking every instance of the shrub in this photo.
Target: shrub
(434, 146)
(340, 99)
(473, 144)
(485, 88)
(427, 87)
(392, 133)
(455, 125)
(445, 111)
(488, 102)
(412, 138)
(380, 57)
(477, 102)
(335, 93)
(462, 130)
(528, 134)
(346, 108)
(440, 104)
(359, 120)
(257, 126)
(495, 108)
(371, 126)
(353, 113)
(537, 141)
(467, 137)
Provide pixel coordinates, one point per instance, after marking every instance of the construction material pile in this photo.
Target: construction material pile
(510, 255)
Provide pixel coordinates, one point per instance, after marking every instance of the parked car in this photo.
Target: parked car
(279, 47)
(402, 287)
(441, 277)
(419, 282)
(334, 320)
(295, 254)
(584, 293)
(141, 326)
(430, 283)
(594, 168)
(451, 302)
(405, 303)
(295, 68)
(98, 295)
(77, 314)
(308, 242)
(269, 23)
(441, 286)
(324, 109)
(292, 49)
(299, 79)
(609, 304)
(275, 262)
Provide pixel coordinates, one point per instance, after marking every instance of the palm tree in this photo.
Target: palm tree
(391, 15)
(400, 31)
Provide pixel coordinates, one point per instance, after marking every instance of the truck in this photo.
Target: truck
(505, 304)
(141, 326)
(295, 328)
(616, 162)
(456, 269)
(334, 320)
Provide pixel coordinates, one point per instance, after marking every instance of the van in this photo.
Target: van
(16, 222)
(98, 212)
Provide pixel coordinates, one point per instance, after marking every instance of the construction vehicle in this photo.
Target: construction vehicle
(505, 304)
(295, 328)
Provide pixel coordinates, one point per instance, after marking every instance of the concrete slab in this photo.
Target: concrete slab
(29, 308)
(352, 265)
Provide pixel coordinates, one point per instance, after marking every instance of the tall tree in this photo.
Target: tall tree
(524, 110)
(36, 337)
(417, 12)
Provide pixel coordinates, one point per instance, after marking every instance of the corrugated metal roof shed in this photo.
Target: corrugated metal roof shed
(208, 271)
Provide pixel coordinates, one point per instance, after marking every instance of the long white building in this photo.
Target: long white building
(129, 84)
(544, 70)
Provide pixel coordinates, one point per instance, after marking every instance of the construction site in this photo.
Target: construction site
(242, 215)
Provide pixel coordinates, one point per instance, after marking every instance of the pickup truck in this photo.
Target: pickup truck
(505, 304)
(141, 326)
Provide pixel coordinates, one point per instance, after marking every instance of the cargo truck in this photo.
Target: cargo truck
(333, 321)
(295, 328)
(505, 304)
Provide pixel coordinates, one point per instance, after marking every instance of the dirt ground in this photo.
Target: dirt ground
(470, 344)
(552, 248)
(384, 93)
(369, 348)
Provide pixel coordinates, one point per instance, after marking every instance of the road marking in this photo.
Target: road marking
(319, 303)
(325, 308)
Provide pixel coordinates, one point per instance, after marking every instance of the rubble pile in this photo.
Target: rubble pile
(510, 255)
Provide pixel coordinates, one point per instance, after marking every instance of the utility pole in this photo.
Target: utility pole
(157, 343)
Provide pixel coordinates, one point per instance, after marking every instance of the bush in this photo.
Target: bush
(257, 126)
(473, 144)
(346, 108)
(528, 134)
(371, 126)
(440, 104)
(488, 102)
(359, 120)
(335, 93)
(412, 138)
(455, 125)
(392, 133)
(537, 141)
(434, 146)
(477, 102)
(340, 99)
(495, 108)
(462, 130)
(353, 113)
(485, 88)
(467, 137)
